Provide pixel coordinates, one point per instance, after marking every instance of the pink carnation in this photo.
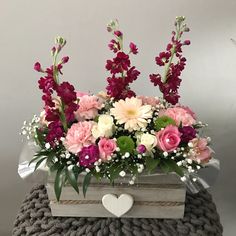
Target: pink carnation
(168, 139)
(80, 94)
(106, 148)
(149, 100)
(202, 152)
(78, 136)
(88, 107)
(179, 115)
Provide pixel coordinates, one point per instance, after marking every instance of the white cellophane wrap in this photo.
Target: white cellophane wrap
(26, 171)
(199, 180)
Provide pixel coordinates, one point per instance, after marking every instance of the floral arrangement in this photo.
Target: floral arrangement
(117, 133)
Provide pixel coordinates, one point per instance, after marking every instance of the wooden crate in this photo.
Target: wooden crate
(158, 196)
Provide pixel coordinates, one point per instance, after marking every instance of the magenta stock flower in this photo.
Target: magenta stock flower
(47, 84)
(119, 64)
(65, 59)
(188, 133)
(169, 83)
(37, 67)
(114, 46)
(133, 48)
(55, 132)
(66, 92)
(118, 33)
(88, 155)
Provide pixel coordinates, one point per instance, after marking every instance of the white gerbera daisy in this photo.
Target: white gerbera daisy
(131, 113)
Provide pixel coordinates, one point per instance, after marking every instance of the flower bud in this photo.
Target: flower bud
(37, 67)
(64, 60)
(118, 33)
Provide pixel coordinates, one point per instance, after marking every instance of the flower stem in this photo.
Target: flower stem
(167, 68)
(56, 79)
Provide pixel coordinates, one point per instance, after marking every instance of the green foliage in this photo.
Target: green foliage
(59, 181)
(126, 144)
(171, 166)
(86, 182)
(70, 174)
(151, 163)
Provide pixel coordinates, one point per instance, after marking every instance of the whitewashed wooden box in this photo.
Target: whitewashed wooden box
(156, 196)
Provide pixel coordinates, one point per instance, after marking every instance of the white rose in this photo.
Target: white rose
(104, 127)
(148, 140)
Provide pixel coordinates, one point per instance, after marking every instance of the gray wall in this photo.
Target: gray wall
(27, 31)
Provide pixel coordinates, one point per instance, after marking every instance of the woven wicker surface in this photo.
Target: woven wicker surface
(34, 218)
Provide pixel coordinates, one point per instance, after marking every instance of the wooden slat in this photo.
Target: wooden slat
(137, 211)
(153, 193)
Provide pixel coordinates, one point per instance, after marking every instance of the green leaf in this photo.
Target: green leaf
(39, 162)
(174, 167)
(72, 179)
(40, 138)
(59, 180)
(86, 182)
(36, 157)
(164, 166)
(114, 171)
(152, 163)
(77, 170)
(55, 166)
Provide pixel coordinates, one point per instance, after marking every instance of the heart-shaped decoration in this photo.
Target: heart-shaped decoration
(118, 206)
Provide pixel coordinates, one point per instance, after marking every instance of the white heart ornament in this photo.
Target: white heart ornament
(118, 206)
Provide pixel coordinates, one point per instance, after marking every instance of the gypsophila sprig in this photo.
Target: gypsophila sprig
(117, 134)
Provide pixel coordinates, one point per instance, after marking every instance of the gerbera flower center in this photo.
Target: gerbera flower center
(131, 113)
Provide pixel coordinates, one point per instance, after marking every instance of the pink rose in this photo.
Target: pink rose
(78, 136)
(88, 107)
(106, 148)
(179, 114)
(168, 139)
(201, 152)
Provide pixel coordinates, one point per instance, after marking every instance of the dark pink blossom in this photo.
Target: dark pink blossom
(66, 92)
(47, 84)
(163, 58)
(55, 133)
(114, 46)
(118, 33)
(188, 133)
(133, 48)
(88, 155)
(65, 59)
(119, 64)
(37, 67)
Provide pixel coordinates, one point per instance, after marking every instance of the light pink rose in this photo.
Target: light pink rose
(78, 136)
(168, 139)
(149, 100)
(106, 148)
(202, 152)
(179, 114)
(88, 107)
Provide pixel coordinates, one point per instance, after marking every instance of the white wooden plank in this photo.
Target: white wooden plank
(97, 210)
(139, 193)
